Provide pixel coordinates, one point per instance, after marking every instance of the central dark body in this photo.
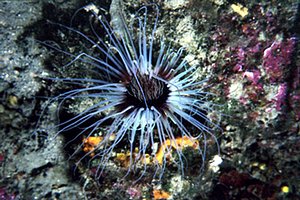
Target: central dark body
(149, 89)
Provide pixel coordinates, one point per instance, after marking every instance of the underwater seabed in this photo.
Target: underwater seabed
(244, 60)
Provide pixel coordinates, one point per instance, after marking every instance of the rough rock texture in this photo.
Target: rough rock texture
(249, 53)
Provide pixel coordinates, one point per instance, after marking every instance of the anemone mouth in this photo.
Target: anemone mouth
(145, 91)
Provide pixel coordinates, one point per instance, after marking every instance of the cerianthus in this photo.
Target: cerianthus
(144, 97)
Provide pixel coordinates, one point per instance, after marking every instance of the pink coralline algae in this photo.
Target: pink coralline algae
(253, 76)
(1, 158)
(258, 60)
(277, 57)
(281, 96)
(5, 196)
(134, 193)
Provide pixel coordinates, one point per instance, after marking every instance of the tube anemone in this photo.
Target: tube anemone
(143, 96)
